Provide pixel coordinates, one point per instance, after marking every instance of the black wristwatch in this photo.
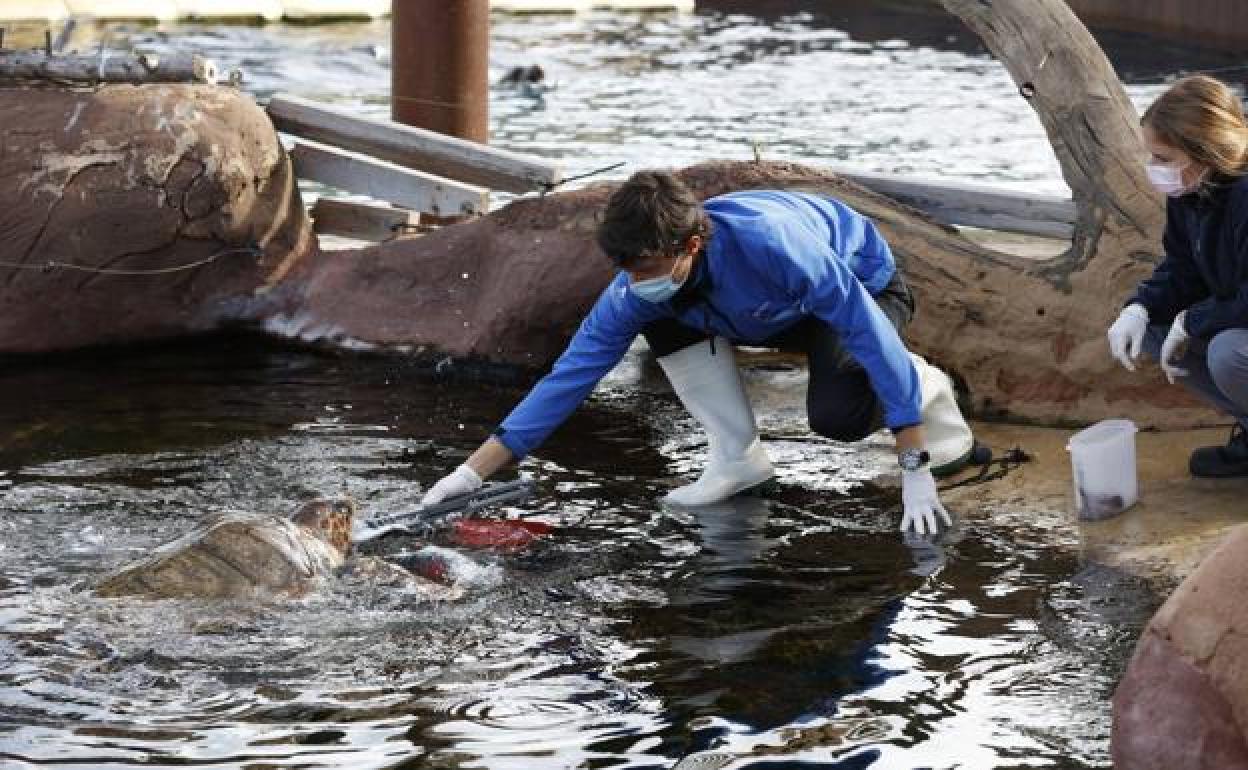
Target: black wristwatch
(913, 459)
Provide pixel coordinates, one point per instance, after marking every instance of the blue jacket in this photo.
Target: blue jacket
(773, 258)
(1205, 267)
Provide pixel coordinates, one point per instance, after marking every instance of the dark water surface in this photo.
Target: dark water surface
(791, 630)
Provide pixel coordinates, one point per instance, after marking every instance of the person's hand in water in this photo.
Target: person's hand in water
(458, 482)
(469, 477)
(922, 510)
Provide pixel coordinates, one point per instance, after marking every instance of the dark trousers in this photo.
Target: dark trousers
(840, 402)
(1217, 368)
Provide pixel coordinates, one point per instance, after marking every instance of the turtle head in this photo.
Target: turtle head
(329, 519)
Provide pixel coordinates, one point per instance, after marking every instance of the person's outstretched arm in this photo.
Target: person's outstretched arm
(598, 345)
(489, 458)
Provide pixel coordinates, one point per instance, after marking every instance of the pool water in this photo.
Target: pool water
(794, 628)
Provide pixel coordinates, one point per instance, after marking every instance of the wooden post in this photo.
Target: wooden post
(439, 66)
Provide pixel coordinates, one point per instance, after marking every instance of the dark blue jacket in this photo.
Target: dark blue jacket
(773, 258)
(1205, 267)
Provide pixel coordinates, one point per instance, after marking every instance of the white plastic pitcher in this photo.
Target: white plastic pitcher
(1102, 458)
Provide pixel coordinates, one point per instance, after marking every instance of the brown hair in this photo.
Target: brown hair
(653, 212)
(1204, 118)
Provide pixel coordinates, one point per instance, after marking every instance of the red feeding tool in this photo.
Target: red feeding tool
(507, 535)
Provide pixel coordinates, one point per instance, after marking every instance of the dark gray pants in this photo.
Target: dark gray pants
(1217, 368)
(840, 402)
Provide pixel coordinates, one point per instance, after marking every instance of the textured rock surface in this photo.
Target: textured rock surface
(509, 288)
(125, 178)
(1183, 702)
(161, 176)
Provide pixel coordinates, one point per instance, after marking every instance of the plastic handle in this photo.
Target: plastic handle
(491, 494)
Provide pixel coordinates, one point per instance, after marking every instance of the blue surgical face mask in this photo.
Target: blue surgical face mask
(656, 290)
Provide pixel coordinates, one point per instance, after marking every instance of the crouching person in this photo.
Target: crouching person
(759, 267)
(1192, 313)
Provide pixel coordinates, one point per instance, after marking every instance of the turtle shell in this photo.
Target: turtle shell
(242, 556)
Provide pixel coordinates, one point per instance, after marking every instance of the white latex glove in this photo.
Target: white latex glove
(1126, 335)
(458, 482)
(920, 503)
(1174, 348)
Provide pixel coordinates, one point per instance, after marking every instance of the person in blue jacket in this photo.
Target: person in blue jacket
(1192, 313)
(762, 267)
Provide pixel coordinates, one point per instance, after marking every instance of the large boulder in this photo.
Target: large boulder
(166, 177)
(507, 289)
(1183, 702)
(108, 192)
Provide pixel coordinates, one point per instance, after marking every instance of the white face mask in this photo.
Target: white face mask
(1168, 178)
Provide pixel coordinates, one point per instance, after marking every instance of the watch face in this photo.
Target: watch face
(912, 459)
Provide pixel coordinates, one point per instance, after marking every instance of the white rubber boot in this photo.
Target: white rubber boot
(710, 387)
(949, 439)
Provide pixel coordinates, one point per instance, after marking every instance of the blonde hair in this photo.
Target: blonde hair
(1204, 118)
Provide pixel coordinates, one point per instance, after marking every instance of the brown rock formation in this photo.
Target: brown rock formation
(1026, 336)
(508, 288)
(161, 176)
(1182, 703)
(102, 187)
(1029, 338)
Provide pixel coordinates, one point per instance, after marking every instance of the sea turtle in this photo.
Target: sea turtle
(236, 555)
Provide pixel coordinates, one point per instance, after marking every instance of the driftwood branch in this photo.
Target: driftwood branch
(104, 67)
(971, 205)
(363, 221)
(414, 148)
(1091, 123)
(387, 181)
(1024, 336)
(1028, 336)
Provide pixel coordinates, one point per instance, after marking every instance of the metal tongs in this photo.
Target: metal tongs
(426, 518)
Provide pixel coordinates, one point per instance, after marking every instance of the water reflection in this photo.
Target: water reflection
(732, 535)
(863, 85)
(792, 627)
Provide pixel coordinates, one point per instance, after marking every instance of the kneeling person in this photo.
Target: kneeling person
(760, 267)
(1191, 314)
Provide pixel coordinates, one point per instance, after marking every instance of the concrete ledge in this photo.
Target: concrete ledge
(155, 10)
(309, 10)
(293, 10)
(33, 10)
(584, 6)
(265, 10)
